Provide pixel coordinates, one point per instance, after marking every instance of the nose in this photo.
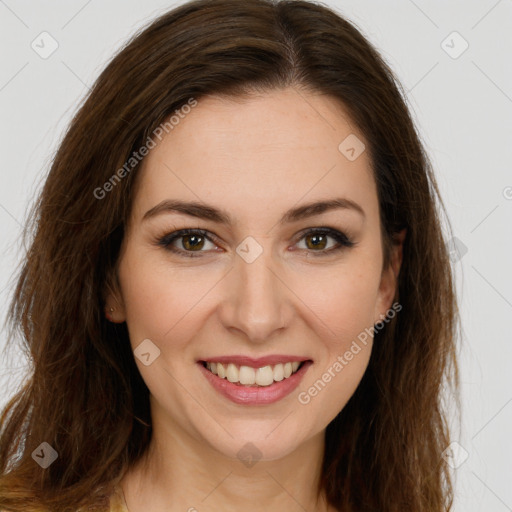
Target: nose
(257, 301)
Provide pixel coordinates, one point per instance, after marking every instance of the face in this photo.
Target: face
(253, 279)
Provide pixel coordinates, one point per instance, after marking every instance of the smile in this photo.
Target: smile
(248, 376)
(249, 385)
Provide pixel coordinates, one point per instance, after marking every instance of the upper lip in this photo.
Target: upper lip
(258, 362)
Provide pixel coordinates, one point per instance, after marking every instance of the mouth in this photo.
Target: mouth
(249, 376)
(258, 384)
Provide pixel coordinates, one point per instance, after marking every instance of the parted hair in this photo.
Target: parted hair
(84, 395)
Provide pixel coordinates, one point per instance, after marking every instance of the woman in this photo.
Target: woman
(238, 292)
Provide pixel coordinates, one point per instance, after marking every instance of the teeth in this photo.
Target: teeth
(249, 376)
(278, 372)
(220, 371)
(232, 373)
(264, 376)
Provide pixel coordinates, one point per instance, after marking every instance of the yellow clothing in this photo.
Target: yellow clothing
(117, 501)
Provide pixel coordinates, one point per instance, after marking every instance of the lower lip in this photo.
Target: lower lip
(253, 395)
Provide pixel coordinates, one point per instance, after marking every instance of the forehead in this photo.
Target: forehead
(254, 153)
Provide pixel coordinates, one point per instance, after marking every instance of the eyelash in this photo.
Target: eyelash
(341, 238)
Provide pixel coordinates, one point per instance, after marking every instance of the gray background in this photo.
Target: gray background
(462, 103)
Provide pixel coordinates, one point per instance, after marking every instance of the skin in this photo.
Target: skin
(254, 158)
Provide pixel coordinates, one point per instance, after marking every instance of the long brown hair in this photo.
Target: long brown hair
(84, 395)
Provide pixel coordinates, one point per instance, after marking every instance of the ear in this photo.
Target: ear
(389, 277)
(114, 309)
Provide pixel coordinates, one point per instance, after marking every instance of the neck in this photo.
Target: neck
(181, 473)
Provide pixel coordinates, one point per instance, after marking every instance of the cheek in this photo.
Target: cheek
(156, 301)
(324, 394)
(343, 298)
(165, 307)
(343, 302)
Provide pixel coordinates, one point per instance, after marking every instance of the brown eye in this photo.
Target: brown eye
(317, 241)
(192, 242)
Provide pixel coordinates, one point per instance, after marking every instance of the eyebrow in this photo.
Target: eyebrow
(207, 212)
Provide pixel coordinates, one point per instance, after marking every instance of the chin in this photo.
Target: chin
(256, 441)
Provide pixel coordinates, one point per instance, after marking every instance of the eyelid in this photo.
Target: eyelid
(343, 240)
(169, 238)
